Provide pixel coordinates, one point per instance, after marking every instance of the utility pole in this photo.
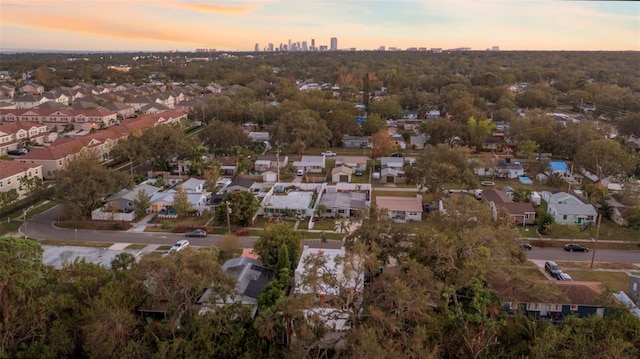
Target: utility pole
(228, 217)
(595, 247)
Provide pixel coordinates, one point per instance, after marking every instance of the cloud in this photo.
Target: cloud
(236, 10)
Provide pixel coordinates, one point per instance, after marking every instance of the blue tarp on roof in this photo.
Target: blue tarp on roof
(558, 166)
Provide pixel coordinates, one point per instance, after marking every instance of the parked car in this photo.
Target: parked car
(329, 154)
(552, 268)
(574, 247)
(197, 233)
(180, 245)
(358, 173)
(525, 245)
(397, 154)
(18, 152)
(564, 276)
(299, 173)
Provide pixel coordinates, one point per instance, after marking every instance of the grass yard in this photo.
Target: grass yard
(11, 227)
(328, 224)
(376, 193)
(75, 243)
(136, 246)
(615, 281)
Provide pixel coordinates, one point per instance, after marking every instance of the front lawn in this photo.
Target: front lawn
(616, 281)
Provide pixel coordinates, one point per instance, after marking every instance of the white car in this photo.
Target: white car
(329, 153)
(180, 245)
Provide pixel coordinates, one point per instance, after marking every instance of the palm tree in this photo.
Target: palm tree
(342, 225)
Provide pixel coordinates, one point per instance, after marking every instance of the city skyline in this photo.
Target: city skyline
(185, 25)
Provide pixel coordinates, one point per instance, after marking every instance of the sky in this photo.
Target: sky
(237, 25)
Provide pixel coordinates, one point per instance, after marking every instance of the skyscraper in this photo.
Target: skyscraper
(256, 48)
(313, 44)
(304, 46)
(334, 44)
(289, 48)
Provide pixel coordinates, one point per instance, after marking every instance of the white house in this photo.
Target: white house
(568, 209)
(341, 174)
(12, 171)
(401, 209)
(310, 164)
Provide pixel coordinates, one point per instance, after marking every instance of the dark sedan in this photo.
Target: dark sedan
(197, 233)
(574, 247)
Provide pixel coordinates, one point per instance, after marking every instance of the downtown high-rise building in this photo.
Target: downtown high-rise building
(304, 46)
(256, 48)
(313, 44)
(334, 44)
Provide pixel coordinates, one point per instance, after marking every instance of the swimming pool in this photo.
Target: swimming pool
(525, 180)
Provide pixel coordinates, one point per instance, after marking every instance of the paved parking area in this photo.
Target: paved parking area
(55, 256)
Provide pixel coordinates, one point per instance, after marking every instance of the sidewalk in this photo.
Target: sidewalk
(139, 226)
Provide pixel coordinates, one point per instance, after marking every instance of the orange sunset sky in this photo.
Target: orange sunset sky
(184, 25)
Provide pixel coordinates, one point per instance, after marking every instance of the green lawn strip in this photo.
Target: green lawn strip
(325, 225)
(616, 281)
(377, 193)
(598, 265)
(6, 228)
(136, 246)
(49, 242)
(163, 248)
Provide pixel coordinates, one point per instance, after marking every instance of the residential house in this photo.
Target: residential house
(285, 199)
(418, 142)
(494, 143)
(335, 300)
(356, 163)
(356, 141)
(568, 209)
(7, 91)
(574, 298)
(311, 164)
(15, 135)
(154, 108)
(30, 101)
(399, 141)
(251, 279)
(240, 185)
(391, 169)
(400, 209)
(54, 157)
(341, 174)
(193, 185)
(163, 200)
(433, 114)
(270, 162)
(509, 169)
(521, 213)
(124, 200)
(259, 136)
(343, 204)
(11, 172)
(122, 109)
(228, 166)
(32, 89)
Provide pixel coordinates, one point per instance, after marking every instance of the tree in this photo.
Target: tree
(443, 130)
(373, 124)
(211, 177)
(527, 149)
(479, 131)
(442, 164)
(22, 274)
(243, 206)
(387, 108)
(82, 185)
(167, 142)
(181, 203)
(604, 158)
(141, 203)
(30, 185)
(8, 197)
(221, 136)
(123, 261)
(383, 144)
(272, 239)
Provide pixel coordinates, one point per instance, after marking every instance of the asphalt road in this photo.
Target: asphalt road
(601, 255)
(41, 227)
